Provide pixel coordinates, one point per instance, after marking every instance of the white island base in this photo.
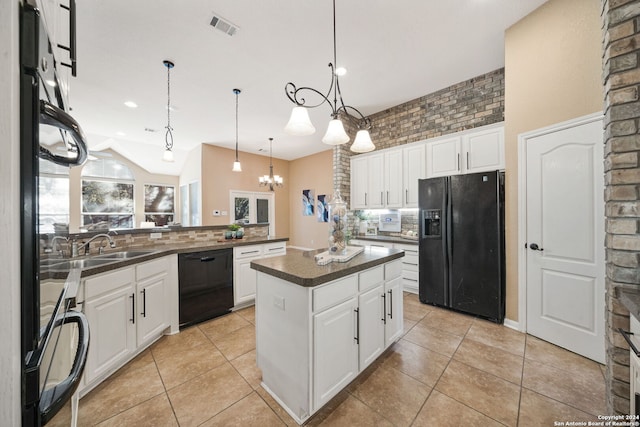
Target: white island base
(312, 341)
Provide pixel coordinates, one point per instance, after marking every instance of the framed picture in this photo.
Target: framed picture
(307, 202)
(322, 212)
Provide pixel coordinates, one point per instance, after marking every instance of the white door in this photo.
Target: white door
(375, 172)
(359, 182)
(565, 238)
(413, 169)
(151, 311)
(394, 324)
(371, 322)
(443, 157)
(393, 179)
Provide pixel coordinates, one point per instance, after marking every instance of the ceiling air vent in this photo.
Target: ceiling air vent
(223, 25)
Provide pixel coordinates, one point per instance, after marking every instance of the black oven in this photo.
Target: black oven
(54, 335)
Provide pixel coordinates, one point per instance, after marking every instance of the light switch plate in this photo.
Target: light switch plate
(224, 213)
(155, 235)
(278, 301)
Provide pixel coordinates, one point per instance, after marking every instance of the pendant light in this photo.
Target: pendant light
(236, 164)
(270, 180)
(299, 123)
(168, 137)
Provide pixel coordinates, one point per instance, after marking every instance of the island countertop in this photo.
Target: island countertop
(300, 267)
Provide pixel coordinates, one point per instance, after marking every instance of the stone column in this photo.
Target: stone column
(621, 78)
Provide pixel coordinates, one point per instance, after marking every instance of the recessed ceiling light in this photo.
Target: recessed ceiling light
(150, 130)
(120, 133)
(131, 104)
(341, 71)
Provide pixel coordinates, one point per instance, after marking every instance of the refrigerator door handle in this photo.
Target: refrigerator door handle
(449, 241)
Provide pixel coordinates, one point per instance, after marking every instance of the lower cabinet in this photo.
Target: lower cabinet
(410, 262)
(127, 309)
(244, 277)
(312, 342)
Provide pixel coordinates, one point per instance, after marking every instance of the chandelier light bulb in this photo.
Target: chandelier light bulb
(362, 143)
(336, 134)
(299, 123)
(236, 167)
(168, 155)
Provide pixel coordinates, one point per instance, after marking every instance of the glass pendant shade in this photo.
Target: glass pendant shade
(299, 123)
(236, 167)
(336, 134)
(168, 155)
(362, 143)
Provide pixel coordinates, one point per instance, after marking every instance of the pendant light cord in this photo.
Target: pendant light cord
(237, 92)
(168, 138)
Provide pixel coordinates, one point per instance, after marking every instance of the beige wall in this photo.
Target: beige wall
(312, 172)
(552, 74)
(142, 177)
(218, 180)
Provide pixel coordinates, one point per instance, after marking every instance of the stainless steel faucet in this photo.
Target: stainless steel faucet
(55, 240)
(85, 245)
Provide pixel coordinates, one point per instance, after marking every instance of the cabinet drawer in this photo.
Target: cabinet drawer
(152, 268)
(409, 267)
(274, 249)
(247, 251)
(408, 249)
(410, 275)
(97, 285)
(335, 292)
(392, 270)
(410, 258)
(370, 278)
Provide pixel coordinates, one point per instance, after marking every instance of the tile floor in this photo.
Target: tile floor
(447, 370)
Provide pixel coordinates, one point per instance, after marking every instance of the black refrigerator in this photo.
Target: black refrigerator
(462, 243)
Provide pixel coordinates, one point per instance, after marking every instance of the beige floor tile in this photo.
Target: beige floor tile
(205, 396)
(433, 339)
(538, 410)
(120, 392)
(490, 359)
(414, 309)
(155, 412)
(182, 366)
(183, 341)
(279, 410)
(443, 411)
(246, 365)
(498, 336)
(448, 321)
(238, 343)
(354, 413)
(418, 362)
(223, 325)
(408, 324)
(248, 314)
(545, 352)
(484, 392)
(583, 389)
(250, 411)
(319, 417)
(392, 394)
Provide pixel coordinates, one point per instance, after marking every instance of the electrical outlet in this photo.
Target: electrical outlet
(224, 213)
(278, 301)
(155, 235)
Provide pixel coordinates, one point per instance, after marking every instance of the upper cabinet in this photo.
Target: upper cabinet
(389, 178)
(474, 151)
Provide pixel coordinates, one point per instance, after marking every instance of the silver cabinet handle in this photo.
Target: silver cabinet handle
(133, 308)
(381, 198)
(387, 197)
(458, 161)
(467, 160)
(390, 303)
(384, 308)
(357, 337)
(406, 195)
(365, 199)
(144, 302)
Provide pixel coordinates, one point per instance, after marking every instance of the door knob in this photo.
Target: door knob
(535, 247)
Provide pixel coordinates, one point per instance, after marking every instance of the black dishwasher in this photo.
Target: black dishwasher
(206, 285)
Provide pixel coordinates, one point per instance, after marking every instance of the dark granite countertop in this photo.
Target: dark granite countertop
(158, 251)
(630, 298)
(300, 267)
(389, 239)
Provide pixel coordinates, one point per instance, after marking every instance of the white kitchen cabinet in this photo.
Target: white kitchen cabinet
(471, 151)
(393, 180)
(367, 181)
(111, 313)
(393, 304)
(244, 277)
(335, 350)
(410, 267)
(413, 169)
(370, 325)
(152, 314)
(634, 366)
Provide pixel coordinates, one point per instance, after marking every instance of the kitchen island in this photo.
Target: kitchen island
(319, 326)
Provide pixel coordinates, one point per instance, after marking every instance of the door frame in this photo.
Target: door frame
(522, 204)
(252, 196)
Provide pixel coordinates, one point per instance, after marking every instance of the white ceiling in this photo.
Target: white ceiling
(394, 51)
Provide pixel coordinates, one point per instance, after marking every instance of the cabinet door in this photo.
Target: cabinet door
(359, 183)
(151, 308)
(393, 300)
(484, 150)
(112, 318)
(371, 325)
(244, 282)
(335, 351)
(375, 178)
(393, 185)
(443, 157)
(413, 169)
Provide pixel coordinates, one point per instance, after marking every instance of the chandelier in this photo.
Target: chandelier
(236, 164)
(299, 123)
(168, 137)
(270, 180)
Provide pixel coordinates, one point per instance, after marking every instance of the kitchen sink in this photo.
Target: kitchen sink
(124, 254)
(78, 263)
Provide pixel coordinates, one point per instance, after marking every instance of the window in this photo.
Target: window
(107, 200)
(159, 204)
(253, 208)
(189, 204)
(53, 196)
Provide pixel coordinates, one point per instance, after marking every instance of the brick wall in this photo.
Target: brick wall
(621, 78)
(465, 105)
